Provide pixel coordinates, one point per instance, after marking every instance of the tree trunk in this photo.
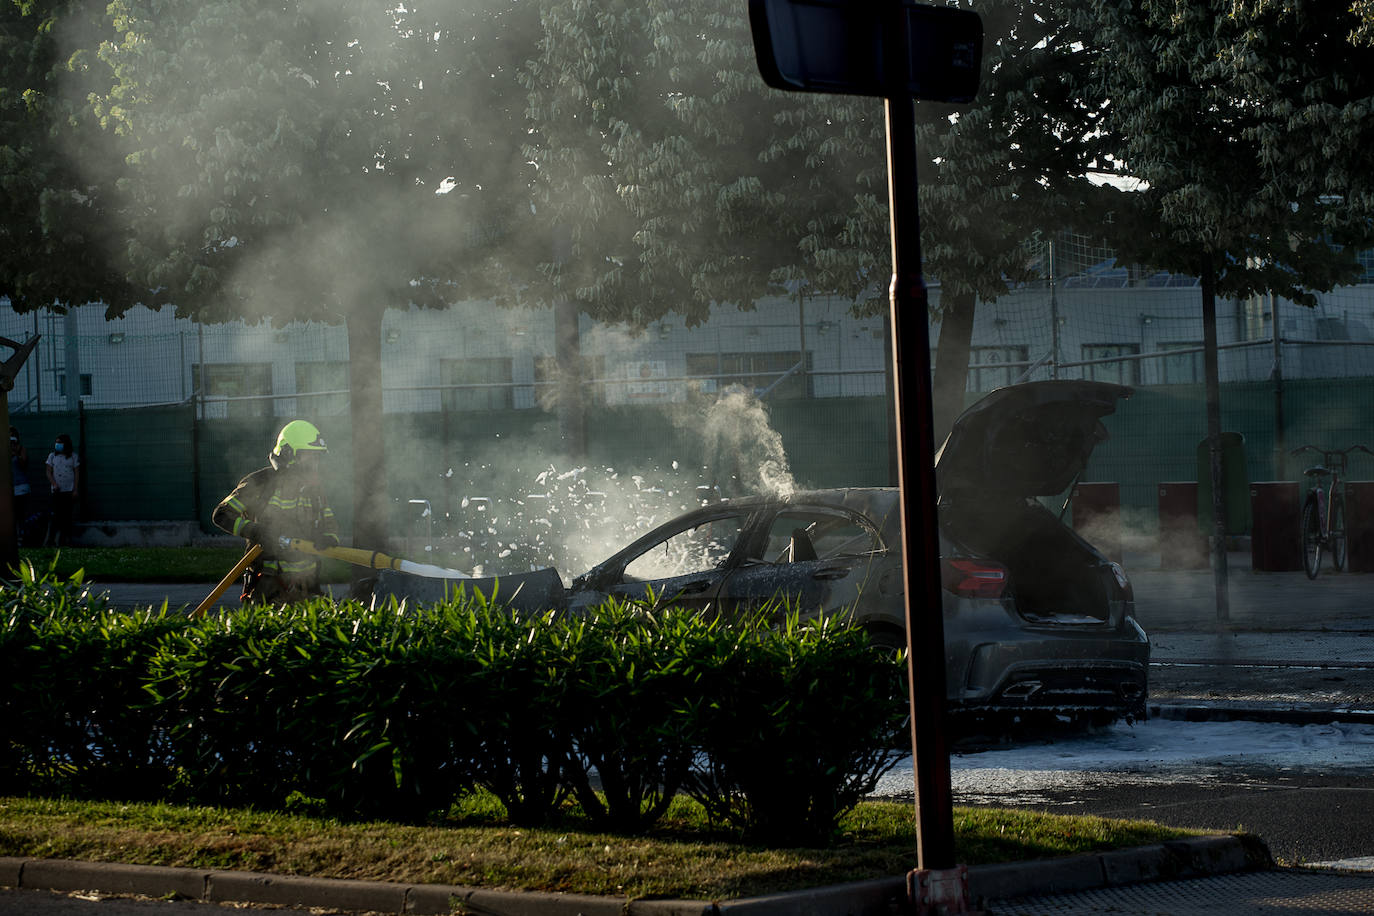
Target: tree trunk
(9, 525)
(370, 503)
(572, 421)
(1211, 370)
(951, 361)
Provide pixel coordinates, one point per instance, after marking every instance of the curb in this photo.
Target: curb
(1190, 858)
(1279, 715)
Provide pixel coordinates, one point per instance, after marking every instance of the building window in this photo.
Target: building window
(992, 372)
(1181, 368)
(251, 381)
(85, 385)
(1123, 371)
(490, 377)
(754, 371)
(323, 375)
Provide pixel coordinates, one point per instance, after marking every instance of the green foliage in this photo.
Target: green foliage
(138, 564)
(645, 670)
(353, 706)
(295, 161)
(828, 714)
(71, 691)
(682, 181)
(398, 713)
(472, 846)
(1253, 158)
(55, 245)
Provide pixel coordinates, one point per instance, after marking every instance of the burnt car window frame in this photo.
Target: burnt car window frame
(763, 550)
(657, 538)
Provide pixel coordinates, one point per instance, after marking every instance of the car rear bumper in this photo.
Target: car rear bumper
(1077, 671)
(1067, 687)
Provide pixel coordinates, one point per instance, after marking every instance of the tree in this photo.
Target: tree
(1201, 97)
(1318, 124)
(306, 161)
(684, 181)
(651, 149)
(51, 215)
(54, 215)
(1364, 30)
(1016, 163)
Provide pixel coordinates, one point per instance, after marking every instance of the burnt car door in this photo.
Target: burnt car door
(682, 562)
(818, 558)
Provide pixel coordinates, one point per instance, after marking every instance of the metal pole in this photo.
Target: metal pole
(1280, 447)
(801, 333)
(1211, 369)
(1054, 319)
(915, 421)
(72, 370)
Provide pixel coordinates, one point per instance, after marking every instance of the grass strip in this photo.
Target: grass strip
(686, 858)
(152, 564)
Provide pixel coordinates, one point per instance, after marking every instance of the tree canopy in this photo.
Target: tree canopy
(307, 161)
(1236, 116)
(679, 179)
(683, 180)
(1244, 128)
(55, 211)
(292, 162)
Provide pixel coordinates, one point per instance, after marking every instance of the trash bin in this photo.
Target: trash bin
(1235, 486)
(1275, 535)
(1181, 544)
(1097, 516)
(1359, 525)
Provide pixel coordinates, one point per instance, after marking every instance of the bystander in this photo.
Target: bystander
(64, 477)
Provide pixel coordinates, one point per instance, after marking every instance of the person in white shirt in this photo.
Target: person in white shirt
(64, 477)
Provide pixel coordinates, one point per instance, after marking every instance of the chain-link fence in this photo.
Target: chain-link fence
(169, 413)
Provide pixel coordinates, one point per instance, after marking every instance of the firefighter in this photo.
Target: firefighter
(285, 500)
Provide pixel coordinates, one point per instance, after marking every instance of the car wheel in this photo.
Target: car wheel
(887, 638)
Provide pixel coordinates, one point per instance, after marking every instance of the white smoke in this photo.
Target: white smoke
(743, 443)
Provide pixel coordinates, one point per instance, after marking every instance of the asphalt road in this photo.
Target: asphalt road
(1303, 815)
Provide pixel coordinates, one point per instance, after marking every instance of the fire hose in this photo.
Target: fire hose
(356, 556)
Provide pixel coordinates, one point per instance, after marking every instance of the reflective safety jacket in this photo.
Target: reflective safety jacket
(268, 505)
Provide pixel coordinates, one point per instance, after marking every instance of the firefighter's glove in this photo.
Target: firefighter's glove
(251, 532)
(326, 541)
(284, 542)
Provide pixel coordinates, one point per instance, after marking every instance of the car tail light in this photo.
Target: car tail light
(973, 578)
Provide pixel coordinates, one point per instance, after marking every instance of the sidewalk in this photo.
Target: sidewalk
(1291, 649)
(1185, 600)
(1201, 857)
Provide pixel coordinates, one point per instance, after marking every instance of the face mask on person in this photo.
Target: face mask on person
(57, 447)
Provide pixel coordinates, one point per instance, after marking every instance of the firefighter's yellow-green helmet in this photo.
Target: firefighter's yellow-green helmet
(296, 437)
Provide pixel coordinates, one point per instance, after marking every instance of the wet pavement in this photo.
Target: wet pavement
(1288, 643)
(1289, 649)
(1277, 891)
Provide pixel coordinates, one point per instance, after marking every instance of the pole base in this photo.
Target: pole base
(939, 891)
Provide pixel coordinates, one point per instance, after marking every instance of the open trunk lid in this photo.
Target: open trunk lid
(1026, 440)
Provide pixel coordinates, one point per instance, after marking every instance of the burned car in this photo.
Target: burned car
(1036, 618)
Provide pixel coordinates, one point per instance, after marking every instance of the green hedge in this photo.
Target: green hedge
(394, 712)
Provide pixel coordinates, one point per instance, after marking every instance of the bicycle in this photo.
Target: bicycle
(1323, 512)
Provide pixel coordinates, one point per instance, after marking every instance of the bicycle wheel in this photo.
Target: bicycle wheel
(1335, 538)
(1311, 539)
